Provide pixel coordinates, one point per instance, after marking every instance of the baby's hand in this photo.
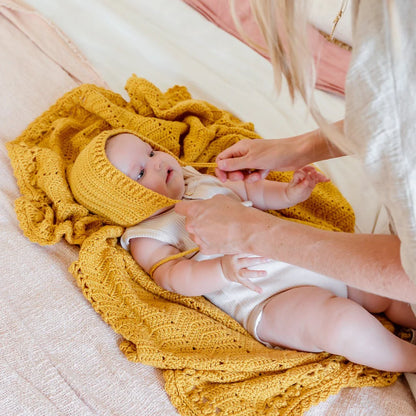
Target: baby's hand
(235, 269)
(301, 186)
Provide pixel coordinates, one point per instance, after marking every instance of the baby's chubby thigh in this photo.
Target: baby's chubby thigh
(302, 318)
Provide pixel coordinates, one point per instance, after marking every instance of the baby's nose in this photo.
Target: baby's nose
(158, 162)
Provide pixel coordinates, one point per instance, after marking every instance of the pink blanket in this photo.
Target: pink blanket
(331, 60)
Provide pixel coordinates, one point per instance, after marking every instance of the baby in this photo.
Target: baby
(279, 304)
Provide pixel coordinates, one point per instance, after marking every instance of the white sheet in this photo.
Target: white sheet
(58, 356)
(162, 42)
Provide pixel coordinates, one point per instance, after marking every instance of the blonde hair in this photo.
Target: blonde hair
(284, 26)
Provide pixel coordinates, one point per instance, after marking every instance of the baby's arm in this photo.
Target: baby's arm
(267, 194)
(190, 277)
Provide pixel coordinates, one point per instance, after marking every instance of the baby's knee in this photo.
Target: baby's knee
(320, 316)
(340, 317)
(306, 318)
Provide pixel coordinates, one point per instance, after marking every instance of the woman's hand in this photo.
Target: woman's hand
(251, 160)
(236, 268)
(221, 224)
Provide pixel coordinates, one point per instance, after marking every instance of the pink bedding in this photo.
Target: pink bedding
(38, 64)
(332, 61)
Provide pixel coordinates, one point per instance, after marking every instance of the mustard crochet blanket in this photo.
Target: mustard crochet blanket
(210, 363)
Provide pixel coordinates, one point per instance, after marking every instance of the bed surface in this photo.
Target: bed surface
(58, 356)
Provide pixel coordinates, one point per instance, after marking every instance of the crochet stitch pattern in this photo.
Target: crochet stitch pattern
(211, 365)
(99, 186)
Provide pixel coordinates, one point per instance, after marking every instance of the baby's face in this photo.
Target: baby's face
(153, 169)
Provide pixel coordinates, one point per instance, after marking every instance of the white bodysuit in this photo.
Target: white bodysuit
(241, 303)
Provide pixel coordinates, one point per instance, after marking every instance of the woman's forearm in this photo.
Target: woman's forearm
(368, 262)
(314, 146)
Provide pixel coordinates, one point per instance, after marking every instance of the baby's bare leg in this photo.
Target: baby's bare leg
(398, 312)
(313, 319)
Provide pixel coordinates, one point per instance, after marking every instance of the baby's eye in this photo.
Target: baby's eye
(140, 175)
(152, 153)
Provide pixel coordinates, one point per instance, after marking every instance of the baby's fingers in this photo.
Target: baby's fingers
(252, 274)
(251, 261)
(298, 177)
(249, 284)
(245, 276)
(320, 177)
(313, 175)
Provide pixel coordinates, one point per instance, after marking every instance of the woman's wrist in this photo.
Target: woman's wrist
(258, 234)
(315, 146)
(311, 147)
(298, 151)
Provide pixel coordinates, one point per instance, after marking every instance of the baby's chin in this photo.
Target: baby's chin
(162, 210)
(165, 209)
(178, 193)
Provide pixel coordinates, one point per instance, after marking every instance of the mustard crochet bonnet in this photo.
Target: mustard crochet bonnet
(104, 190)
